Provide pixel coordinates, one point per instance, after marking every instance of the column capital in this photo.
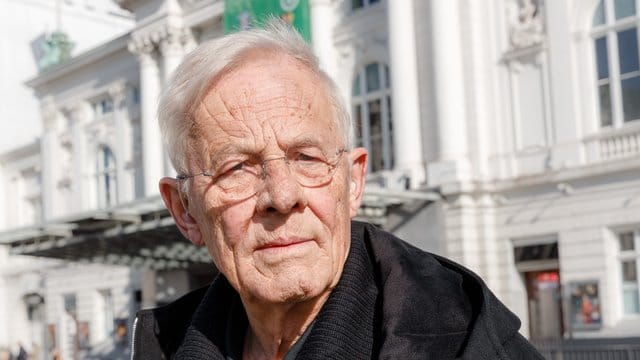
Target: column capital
(80, 112)
(170, 40)
(144, 47)
(50, 113)
(189, 39)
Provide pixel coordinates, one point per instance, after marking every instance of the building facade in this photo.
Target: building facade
(503, 134)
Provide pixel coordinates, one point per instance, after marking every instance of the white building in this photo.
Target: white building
(502, 134)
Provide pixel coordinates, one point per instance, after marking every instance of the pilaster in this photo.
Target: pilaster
(49, 149)
(171, 49)
(152, 152)
(123, 142)
(80, 114)
(404, 82)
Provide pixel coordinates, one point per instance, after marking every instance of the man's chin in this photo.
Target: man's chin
(297, 290)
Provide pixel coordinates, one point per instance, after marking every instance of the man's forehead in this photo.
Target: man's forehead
(272, 77)
(277, 90)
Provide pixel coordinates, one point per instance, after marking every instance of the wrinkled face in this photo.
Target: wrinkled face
(287, 242)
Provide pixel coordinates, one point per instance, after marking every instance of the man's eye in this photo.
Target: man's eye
(237, 166)
(307, 157)
(233, 168)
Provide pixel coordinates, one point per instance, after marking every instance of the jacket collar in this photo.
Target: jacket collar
(344, 328)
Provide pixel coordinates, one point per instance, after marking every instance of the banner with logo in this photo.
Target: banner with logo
(244, 14)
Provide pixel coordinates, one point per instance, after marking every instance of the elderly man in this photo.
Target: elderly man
(268, 181)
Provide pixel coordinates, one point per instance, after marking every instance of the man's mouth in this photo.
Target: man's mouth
(283, 243)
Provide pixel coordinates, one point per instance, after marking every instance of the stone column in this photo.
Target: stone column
(124, 144)
(172, 52)
(49, 151)
(453, 164)
(404, 82)
(152, 152)
(80, 115)
(322, 23)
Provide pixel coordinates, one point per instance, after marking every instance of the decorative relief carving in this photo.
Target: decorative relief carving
(167, 39)
(171, 42)
(118, 93)
(101, 132)
(143, 46)
(526, 23)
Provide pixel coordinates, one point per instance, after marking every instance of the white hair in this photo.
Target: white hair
(192, 79)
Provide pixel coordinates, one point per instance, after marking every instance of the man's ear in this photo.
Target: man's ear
(358, 158)
(178, 205)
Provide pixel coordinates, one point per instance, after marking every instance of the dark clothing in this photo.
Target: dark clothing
(393, 301)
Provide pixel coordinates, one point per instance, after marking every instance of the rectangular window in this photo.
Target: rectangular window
(70, 306)
(136, 95)
(375, 135)
(357, 116)
(624, 8)
(391, 163)
(631, 98)
(601, 58)
(599, 16)
(628, 51)
(373, 77)
(629, 262)
(617, 71)
(606, 119)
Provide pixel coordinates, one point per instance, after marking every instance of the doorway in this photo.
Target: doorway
(545, 304)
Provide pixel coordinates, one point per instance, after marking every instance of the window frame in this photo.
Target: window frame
(626, 255)
(363, 99)
(609, 30)
(106, 176)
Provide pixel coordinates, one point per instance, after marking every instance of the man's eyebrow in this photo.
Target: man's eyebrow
(304, 142)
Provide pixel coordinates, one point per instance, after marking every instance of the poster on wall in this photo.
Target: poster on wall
(585, 312)
(84, 335)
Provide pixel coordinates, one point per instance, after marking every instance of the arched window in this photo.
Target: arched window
(106, 177)
(371, 101)
(615, 34)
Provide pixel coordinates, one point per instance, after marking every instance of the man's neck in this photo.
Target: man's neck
(273, 330)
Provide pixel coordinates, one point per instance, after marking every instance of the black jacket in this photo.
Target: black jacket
(393, 301)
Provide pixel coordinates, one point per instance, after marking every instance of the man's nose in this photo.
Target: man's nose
(280, 190)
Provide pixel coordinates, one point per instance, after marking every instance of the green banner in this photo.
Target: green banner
(244, 14)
